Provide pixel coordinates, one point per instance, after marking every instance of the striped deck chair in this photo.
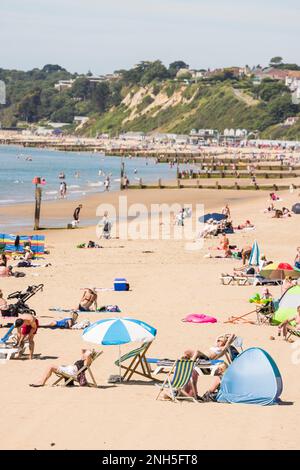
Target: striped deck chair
(292, 332)
(8, 345)
(182, 373)
(138, 361)
(68, 379)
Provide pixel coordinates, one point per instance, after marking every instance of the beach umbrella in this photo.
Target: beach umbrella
(214, 216)
(255, 255)
(296, 208)
(278, 271)
(117, 331)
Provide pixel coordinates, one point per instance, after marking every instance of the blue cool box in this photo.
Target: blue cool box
(120, 283)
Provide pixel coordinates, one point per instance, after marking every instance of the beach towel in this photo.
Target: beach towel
(199, 318)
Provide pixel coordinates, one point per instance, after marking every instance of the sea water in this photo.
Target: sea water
(85, 172)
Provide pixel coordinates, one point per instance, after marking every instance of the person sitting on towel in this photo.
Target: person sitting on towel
(85, 360)
(88, 298)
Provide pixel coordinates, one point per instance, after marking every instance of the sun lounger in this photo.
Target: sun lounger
(201, 365)
(227, 279)
(138, 365)
(68, 379)
(8, 348)
(178, 377)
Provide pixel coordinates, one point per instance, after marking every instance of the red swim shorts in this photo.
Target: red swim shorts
(26, 329)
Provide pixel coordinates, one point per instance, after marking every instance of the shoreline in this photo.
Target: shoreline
(58, 213)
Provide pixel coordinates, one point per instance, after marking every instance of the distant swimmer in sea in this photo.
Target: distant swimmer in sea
(77, 174)
(135, 171)
(61, 175)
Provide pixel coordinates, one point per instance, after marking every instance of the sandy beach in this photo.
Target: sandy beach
(166, 283)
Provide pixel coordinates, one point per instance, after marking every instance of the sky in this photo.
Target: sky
(108, 35)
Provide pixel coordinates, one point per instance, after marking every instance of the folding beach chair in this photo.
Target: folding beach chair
(265, 313)
(138, 361)
(68, 379)
(182, 373)
(8, 345)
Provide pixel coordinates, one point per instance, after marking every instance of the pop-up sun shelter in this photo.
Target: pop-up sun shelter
(288, 304)
(253, 378)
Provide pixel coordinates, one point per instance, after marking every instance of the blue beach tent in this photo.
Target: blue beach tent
(253, 378)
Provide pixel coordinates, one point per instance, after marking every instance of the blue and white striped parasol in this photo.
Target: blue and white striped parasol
(116, 331)
(255, 255)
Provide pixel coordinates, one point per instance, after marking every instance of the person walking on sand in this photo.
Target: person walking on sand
(27, 326)
(76, 215)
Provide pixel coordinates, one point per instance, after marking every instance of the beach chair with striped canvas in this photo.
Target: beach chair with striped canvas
(138, 364)
(70, 379)
(8, 345)
(178, 377)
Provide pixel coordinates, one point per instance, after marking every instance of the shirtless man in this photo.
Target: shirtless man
(88, 298)
(27, 326)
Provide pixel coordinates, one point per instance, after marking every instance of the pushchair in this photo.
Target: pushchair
(20, 307)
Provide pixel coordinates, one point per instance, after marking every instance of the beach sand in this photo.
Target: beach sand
(166, 285)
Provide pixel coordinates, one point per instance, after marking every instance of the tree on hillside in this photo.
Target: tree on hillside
(50, 68)
(175, 66)
(28, 107)
(276, 61)
(100, 97)
(81, 88)
(154, 71)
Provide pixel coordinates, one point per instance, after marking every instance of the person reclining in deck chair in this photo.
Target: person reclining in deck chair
(65, 323)
(286, 326)
(217, 349)
(85, 360)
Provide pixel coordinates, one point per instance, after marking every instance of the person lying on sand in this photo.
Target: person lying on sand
(64, 324)
(286, 327)
(247, 224)
(85, 360)
(212, 392)
(88, 298)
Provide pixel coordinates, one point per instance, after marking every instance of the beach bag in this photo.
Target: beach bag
(81, 377)
(18, 274)
(208, 397)
(91, 244)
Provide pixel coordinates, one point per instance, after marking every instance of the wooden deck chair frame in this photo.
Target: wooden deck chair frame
(292, 332)
(74, 378)
(174, 392)
(138, 356)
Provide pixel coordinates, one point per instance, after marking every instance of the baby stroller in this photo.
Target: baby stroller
(22, 296)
